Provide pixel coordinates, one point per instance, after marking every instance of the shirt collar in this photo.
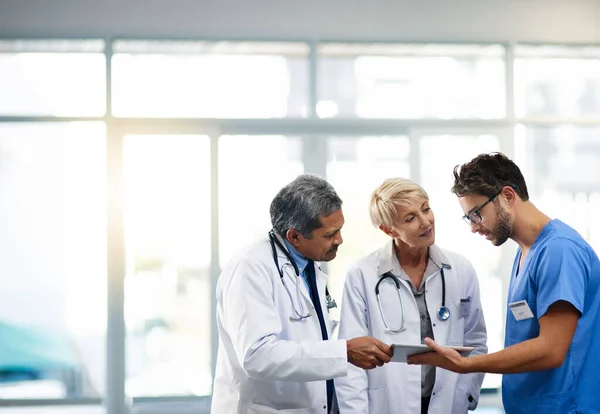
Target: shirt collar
(388, 261)
(300, 260)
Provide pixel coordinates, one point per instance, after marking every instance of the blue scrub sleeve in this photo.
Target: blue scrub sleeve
(562, 273)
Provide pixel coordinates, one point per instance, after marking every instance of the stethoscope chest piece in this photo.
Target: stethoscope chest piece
(443, 313)
(330, 302)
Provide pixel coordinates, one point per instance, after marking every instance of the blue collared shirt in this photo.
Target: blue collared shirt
(301, 262)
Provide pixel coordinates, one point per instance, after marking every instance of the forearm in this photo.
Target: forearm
(533, 355)
(289, 361)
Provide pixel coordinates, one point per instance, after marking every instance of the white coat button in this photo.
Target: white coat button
(324, 407)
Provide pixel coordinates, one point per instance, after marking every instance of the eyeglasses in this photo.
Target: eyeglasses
(474, 215)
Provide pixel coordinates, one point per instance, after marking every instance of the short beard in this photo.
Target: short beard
(503, 230)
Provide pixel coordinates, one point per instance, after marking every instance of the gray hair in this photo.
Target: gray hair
(301, 203)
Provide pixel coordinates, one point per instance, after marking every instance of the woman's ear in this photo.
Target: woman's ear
(386, 230)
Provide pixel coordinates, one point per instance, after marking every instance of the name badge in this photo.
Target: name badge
(520, 310)
(465, 307)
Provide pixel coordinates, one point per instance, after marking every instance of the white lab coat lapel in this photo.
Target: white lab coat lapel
(322, 286)
(390, 302)
(441, 329)
(290, 276)
(438, 257)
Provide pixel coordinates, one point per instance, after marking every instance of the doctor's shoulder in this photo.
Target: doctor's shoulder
(365, 267)
(247, 252)
(254, 256)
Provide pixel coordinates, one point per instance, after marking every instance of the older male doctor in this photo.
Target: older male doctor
(275, 352)
(408, 290)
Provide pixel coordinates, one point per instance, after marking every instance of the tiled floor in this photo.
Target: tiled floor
(100, 410)
(489, 410)
(53, 410)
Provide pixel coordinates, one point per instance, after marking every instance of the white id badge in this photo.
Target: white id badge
(521, 310)
(465, 307)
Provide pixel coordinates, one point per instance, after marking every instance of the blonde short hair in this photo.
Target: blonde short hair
(391, 193)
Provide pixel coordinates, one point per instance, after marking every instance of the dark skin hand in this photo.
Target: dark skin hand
(367, 353)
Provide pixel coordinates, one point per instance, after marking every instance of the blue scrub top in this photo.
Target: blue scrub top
(560, 265)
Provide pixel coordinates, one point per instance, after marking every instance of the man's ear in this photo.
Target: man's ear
(293, 236)
(509, 194)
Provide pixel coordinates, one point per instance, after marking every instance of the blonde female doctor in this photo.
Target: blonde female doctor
(406, 291)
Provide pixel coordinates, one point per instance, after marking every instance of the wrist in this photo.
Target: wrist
(469, 365)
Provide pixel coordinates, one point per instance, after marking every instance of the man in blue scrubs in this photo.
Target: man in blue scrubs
(551, 357)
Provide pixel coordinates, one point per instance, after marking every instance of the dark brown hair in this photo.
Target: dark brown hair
(487, 174)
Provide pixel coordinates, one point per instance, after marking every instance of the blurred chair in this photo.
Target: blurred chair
(34, 354)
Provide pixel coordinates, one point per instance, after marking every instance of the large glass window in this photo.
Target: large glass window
(562, 167)
(356, 166)
(252, 169)
(439, 153)
(557, 81)
(52, 260)
(411, 81)
(210, 79)
(167, 284)
(54, 78)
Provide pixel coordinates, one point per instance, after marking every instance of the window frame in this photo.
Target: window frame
(311, 128)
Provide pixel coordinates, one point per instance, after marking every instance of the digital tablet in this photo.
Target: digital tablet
(401, 351)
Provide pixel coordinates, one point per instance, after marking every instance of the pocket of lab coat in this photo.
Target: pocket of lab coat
(378, 400)
(263, 409)
(461, 402)
(456, 332)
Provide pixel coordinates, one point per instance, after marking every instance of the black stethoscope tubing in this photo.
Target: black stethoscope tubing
(443, 313)
(275, 241)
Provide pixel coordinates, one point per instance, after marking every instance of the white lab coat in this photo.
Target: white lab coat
(396, 387)
(267, 363)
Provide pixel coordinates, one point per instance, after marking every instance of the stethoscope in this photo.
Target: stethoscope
(298, 314)
(443, 312)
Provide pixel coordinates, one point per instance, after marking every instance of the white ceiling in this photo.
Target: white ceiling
(424, 20)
